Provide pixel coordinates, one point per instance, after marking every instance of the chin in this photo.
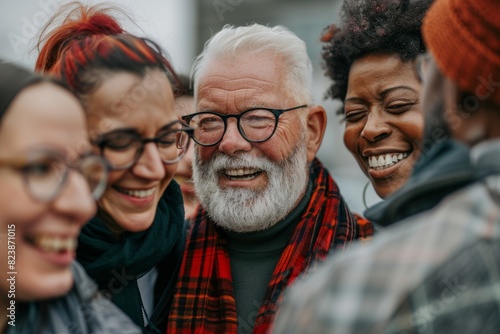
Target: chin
(34, 287)
(384, 191)
(137, 222)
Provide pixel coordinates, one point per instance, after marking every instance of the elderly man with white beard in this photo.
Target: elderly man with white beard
(269, 208)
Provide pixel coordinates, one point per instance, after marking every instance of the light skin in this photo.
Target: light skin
(184, 105)
(41, 116)
(127, 101)
(383, 119)
(232, 85)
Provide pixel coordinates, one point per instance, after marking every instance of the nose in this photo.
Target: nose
(75, 200)
(375, 128)
(232, 142)
(150, 166)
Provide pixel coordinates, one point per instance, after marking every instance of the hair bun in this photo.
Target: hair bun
(97, 24)
(74, 21)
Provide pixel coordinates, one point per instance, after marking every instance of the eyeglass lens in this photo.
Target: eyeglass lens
(46, 175)
(254, 125)
(123, 149)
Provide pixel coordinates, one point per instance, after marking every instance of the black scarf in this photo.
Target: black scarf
(116, 265)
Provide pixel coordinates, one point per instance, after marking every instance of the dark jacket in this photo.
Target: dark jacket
(442, 170)
(83, 310)
(435, 272)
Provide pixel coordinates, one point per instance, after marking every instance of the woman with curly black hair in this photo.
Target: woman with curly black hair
(370, 56)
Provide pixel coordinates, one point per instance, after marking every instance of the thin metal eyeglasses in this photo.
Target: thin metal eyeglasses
(422, 64)
(255, 125)
(45, 172)
(122, 148)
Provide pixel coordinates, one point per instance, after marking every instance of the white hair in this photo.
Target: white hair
(232, 41)
(242, 209)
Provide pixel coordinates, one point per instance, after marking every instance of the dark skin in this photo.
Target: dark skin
(383, 117)
(470, 128)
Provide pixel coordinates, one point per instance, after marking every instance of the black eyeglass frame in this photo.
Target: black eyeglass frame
(101, 143)
(276, 112)
(20, 164)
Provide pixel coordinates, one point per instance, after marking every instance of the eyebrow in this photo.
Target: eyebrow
(134, 130)
(167, 126)
(252, 105)
(125, 130)
(385, 92)
(355, 99)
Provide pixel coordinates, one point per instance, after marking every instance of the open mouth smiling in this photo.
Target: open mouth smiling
(53, 243)
(241, 174)
(143, 193)
(383, 161)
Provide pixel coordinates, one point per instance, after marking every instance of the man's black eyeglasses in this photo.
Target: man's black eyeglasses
(256, 125)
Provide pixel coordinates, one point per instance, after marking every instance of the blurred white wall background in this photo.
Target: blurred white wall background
(169, 22)
(181, 27)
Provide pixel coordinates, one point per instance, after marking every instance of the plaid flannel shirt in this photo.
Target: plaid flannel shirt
(437, 272)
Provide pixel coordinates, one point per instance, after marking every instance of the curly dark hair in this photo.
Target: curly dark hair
(371, 26)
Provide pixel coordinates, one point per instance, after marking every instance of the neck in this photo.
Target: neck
(110, 223)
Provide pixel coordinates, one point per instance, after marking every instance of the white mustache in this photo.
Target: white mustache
(222, 162)
(244, 209)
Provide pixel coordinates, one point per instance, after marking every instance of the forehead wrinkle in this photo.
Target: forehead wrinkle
(243, 98)
(108, 97)
(240, 88)
(397, 88)
(379, 88)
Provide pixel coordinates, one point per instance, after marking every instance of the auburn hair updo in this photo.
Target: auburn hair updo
(81, 44)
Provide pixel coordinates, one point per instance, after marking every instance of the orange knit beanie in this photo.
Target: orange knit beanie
(464, 38)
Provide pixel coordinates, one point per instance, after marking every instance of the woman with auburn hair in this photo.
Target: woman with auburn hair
(133, 246)
(49, 183)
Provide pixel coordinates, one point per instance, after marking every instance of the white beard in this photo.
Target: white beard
(245, 210)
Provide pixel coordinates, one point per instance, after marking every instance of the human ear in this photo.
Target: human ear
(316, 126)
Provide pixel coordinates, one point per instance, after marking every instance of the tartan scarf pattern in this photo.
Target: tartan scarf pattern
(204, 300)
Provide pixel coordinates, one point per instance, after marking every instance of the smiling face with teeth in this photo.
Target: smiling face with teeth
(234, 176)
(143, 105)
(384, 120)
(42, 116)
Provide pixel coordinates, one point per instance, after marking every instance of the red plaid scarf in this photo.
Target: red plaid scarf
(204, 301)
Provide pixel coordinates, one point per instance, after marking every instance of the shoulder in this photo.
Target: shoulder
(364, 286)
(458, 297)
(365, 229)
(101, 315)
